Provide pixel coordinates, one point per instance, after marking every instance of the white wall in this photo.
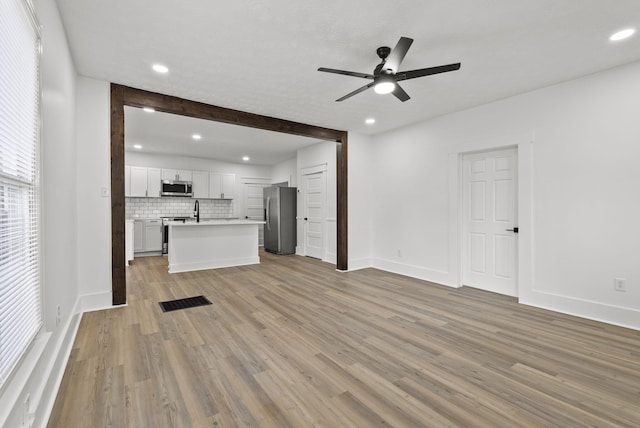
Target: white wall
(196, 164)
(361, 194)
(579, 175)
(94, 210)
(285, 171)
(41, 369)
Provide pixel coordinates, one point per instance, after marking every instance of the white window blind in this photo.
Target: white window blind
(20, 280)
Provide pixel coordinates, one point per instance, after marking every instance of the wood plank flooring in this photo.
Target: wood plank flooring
(293, 343)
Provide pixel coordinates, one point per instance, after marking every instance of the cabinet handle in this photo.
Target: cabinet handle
(146, 193)
(222, 196)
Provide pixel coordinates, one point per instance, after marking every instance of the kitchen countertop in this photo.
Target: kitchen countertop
(218, 222)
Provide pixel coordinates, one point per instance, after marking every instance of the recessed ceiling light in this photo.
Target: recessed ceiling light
(245, 158)
(159, 68)
(370, 121)
(148, 109)
(137, 146)
(621, 35)
(196, 136)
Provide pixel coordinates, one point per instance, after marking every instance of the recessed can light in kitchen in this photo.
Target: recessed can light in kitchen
(159, 68)
(148, 109)
(137, 146)
(622, 34)
(245, 158)
(370, 121)
(196, 137)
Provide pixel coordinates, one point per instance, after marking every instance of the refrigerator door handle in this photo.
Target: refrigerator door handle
(268, 213)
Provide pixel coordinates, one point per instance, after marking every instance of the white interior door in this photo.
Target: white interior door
(253, 204)
(489, 217)
(314, 201)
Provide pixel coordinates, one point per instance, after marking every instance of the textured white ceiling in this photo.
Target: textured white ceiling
(261, 56)
(170, 134)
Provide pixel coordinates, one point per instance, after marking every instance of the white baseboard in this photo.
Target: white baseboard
(418, 272)
(596, 311)
(357, 264)
(95, 302)
(57, 366)
(188, 267)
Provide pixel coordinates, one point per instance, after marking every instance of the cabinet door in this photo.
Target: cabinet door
(228, 186)
(169, 174)
(138, 236)
(138, 181)
(215, 185)
(200, 184)
(153, 235)
(185, 175)
(127, 181)
(153, 182)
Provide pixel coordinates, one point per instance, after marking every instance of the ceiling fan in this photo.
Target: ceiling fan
(386, 76)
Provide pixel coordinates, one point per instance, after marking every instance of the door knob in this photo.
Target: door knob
(305, 219)
(246, 216)
(514, 230)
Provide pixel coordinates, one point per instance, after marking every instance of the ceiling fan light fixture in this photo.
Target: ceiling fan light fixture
(623, 34)
(384, 87)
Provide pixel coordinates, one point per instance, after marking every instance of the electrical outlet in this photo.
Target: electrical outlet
(620, 284)
(58, 315)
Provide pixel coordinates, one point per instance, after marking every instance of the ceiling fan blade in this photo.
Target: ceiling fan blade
(400, 93)
(405, 75)
(397, 54)
(357, 91)
(346, 73)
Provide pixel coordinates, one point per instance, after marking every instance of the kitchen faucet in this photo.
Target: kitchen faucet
(196, 211)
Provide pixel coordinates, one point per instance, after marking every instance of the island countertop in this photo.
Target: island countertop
(213, 222)
(212, 244)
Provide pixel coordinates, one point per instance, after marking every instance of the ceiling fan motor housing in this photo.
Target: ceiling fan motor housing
(383, 52)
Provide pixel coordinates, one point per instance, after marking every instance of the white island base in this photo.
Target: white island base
(212, 244)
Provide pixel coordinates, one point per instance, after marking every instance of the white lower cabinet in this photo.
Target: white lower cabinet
(138, 236)
(147, 236)
(153, 235)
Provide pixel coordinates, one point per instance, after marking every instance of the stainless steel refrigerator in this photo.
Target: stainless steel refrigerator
(280, 220)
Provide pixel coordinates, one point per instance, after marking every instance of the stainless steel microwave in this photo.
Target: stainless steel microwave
(176, 188)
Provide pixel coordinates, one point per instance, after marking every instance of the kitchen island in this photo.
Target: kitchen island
(212, 244)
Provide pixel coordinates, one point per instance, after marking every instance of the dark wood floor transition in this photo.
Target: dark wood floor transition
(293, 343)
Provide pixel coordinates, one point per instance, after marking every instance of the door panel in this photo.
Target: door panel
(314, 213)
(489, 209)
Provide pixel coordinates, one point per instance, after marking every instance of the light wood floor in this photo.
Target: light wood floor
(292, 343)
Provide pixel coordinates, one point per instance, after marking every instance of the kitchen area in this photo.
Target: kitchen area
(179, 168)
(188, 216)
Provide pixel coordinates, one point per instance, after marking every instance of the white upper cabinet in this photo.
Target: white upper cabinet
(200, 184)
(144, 182)
(153, 187)
(177, 174)
(138, 185)
(222, 186)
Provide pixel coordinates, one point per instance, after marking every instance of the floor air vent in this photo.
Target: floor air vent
(189, 302)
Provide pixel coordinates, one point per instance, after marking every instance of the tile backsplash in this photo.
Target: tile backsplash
(176, 207)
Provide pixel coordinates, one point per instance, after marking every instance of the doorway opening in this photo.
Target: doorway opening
(122, 96)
